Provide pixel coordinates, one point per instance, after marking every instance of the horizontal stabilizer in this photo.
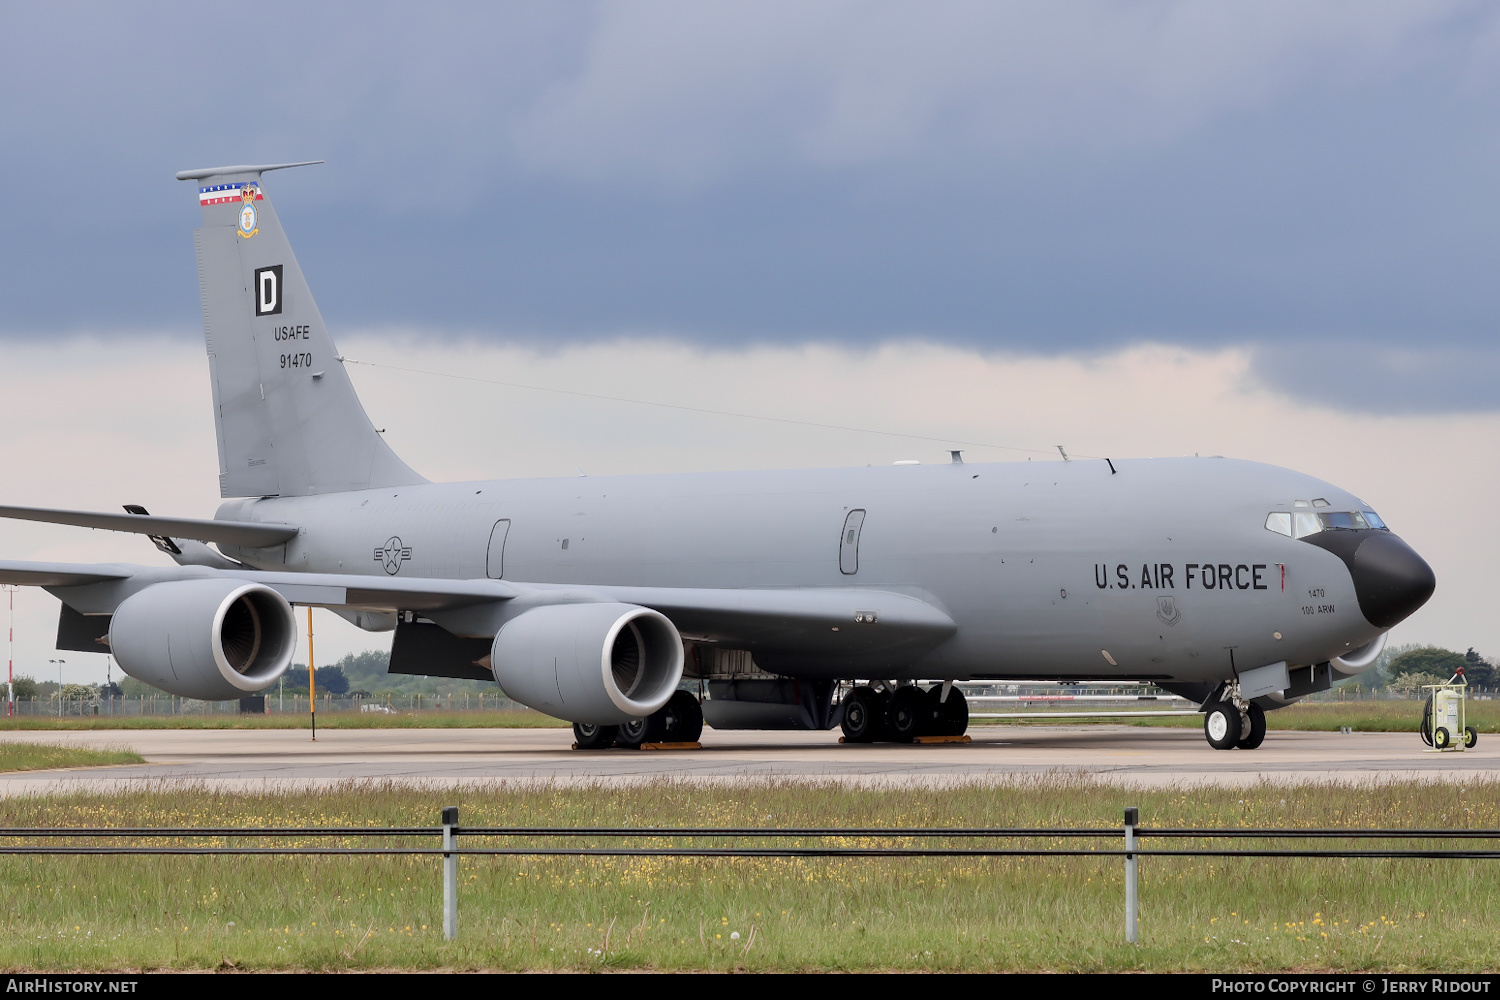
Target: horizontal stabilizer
(247, 534)
(244, 168)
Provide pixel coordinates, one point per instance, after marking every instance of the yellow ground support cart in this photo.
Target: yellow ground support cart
(1443, 723)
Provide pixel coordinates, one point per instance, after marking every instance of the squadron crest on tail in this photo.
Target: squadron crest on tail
(249, 218)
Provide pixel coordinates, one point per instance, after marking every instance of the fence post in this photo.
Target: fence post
(1132, 819)
(450, 873)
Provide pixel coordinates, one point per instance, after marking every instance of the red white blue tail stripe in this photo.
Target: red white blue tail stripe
(224, 194)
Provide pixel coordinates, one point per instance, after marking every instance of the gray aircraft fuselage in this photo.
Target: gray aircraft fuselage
(1159, 569)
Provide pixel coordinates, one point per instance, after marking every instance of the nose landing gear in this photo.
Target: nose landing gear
(1221, 725)
(1233, 723)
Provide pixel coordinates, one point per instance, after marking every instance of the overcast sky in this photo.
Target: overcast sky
(1294, 204)
(1316, 180)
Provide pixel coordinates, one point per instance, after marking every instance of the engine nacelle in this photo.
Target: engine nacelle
(596, 663)
(1357, 660)
(212, 639)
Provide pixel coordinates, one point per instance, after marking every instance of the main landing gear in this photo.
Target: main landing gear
(903, 715)
(680, 720)
(1232, 723)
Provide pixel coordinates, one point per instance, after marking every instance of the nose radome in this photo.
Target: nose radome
(1390, 579)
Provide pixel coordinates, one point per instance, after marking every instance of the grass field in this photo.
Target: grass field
(39, 756)
(78, 913)
(326, 720)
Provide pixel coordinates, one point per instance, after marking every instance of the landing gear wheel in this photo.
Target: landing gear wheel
(909, 714)
(1253, 732)
(951, 717)
(637, 731)
(1223, 726)
(682, 719)
(864, 716)
(1471, 737)
(1441, 738)
(587, 736)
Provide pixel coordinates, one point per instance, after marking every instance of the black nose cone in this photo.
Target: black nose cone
(1390, 579)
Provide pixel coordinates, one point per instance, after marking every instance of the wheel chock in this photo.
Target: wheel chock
(671, 746)
(926, 740)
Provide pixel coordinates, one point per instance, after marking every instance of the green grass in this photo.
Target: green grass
(1324, 716)
(79, 913)
(41, 756)
(326, 720)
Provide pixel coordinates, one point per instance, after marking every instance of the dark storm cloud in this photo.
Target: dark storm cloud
(1314, 180)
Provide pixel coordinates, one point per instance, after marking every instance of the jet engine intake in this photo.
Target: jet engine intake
(212, 639)
(599, 664)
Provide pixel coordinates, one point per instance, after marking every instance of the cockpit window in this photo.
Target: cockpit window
(1301, 523)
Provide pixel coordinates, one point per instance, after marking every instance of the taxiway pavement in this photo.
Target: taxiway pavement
(1122, 755)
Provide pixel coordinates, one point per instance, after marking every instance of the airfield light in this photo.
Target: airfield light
(59, 684)
(312, 689)
(10, 666)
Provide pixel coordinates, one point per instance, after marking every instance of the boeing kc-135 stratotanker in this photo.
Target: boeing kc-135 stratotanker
(803, 599)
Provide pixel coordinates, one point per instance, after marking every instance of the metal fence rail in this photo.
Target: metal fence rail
(1200, 833)
(450, 851)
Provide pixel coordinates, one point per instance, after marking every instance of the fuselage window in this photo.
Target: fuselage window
(1280, 522)
(1305, 523)
(1301, 523)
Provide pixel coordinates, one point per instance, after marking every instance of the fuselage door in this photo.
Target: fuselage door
(849, 543)
(495, 559)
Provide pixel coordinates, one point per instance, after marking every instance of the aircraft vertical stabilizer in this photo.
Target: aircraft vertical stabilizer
(288, 420)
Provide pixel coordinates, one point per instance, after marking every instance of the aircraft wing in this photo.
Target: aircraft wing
(805, 621)
(251, 534)
(813, 620)
(379, 593)
(43, 574)
(81, 582)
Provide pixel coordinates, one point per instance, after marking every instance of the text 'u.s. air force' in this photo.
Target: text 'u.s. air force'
(1191, 576)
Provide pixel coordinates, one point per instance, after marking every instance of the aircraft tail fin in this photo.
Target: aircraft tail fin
(287, 418)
